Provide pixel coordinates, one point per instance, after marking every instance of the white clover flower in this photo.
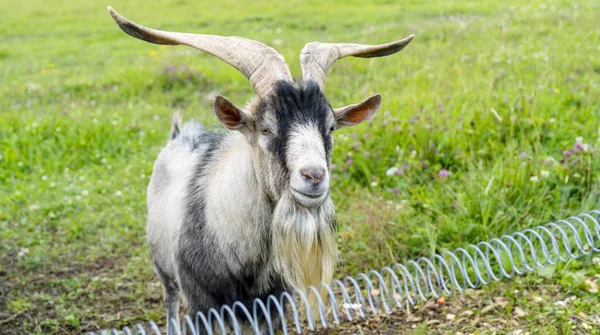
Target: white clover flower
(342, 138)
(579, 139)
(374, 184)
(534, 179)
(561, 303)
(85, 193)
(22, 252)
(32, 87)
(118, 194)
(544, 174)
(391, 171)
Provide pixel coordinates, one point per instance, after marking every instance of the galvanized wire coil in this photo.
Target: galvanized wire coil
(399, 285)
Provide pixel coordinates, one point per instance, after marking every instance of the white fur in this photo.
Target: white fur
(233, 206)
(304, 247)
(306, 150)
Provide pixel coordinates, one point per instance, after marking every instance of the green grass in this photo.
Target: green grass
(496, 92)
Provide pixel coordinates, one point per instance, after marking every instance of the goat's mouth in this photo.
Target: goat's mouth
(309, 199)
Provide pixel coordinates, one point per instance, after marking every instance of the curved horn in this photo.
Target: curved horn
(261, 64)
(316, 58)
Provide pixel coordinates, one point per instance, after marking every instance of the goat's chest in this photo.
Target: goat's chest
(240, 225)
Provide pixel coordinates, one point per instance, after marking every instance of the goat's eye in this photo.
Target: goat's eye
(332, 129)
(265, 131)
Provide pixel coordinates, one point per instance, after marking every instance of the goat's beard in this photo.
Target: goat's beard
(303, 241)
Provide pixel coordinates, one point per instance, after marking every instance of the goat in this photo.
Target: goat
(245, 213)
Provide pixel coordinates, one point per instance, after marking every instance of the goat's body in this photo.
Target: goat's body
(210, 237)
(241, 215)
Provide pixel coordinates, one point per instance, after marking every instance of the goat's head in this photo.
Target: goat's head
(291, 124)
(293, 130)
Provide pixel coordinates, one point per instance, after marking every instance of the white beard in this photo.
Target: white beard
(303, 241)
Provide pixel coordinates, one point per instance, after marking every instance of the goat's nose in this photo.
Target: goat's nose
(313, 174)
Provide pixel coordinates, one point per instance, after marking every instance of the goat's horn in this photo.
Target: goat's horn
(261, 64)
(316, 58)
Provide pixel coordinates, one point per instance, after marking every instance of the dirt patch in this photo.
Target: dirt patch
(36, 301)
(478, 311)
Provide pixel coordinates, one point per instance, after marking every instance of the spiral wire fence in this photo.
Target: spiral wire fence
(400, 285)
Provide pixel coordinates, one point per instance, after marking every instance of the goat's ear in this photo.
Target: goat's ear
(230, 116)
(355, 114)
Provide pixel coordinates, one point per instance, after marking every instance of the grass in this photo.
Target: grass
(502, 96)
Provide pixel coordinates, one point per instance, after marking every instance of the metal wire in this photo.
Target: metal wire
(399, 285)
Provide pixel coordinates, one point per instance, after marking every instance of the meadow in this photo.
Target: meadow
(490, 124)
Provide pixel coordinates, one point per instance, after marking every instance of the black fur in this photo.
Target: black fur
(298, 104)
(174, 130)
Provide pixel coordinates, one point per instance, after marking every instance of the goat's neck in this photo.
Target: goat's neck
(237, 211)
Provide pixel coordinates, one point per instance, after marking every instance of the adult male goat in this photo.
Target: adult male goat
(244, 213)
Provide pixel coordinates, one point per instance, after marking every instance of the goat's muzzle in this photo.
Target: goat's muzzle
(310, 185)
